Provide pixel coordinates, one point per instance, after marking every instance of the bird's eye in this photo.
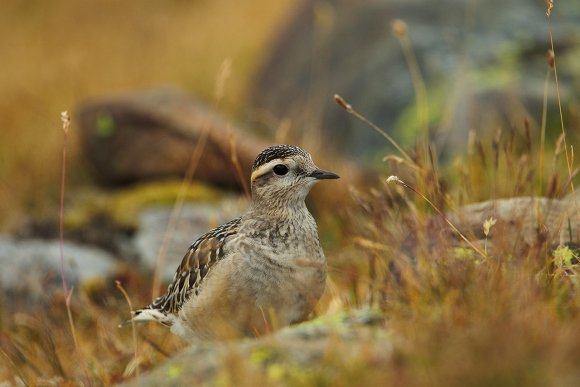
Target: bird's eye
(280, 169)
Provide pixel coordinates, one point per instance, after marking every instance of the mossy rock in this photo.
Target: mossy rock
(323, 351)
(123, 206)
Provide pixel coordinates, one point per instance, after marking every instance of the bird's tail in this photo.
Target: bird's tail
(147, 314)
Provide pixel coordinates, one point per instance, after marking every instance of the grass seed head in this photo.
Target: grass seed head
(551, 58)
(549, 7)
(399, 28)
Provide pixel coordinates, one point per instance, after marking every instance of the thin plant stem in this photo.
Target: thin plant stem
(569, 159)
(65, 118)
(177, 207)
(236, 162)
(543, 132)
(223, 74)
(65, 128)
(346, 106)
(133, 329)
(397, 180)
(400, 30)
(154, 345)
(558, 95)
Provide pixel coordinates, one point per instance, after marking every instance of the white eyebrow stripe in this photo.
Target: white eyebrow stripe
(265, 168)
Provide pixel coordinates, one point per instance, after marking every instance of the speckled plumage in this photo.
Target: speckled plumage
(196, 263)
(262, 270)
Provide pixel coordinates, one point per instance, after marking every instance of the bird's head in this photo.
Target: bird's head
(285, 173)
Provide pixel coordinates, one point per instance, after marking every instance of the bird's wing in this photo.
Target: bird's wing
(197, 262)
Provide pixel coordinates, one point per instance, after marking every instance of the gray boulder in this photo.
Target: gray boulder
(31, 267)
(194, 220)
(484, 65)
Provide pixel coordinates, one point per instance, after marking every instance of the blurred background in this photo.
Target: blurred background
(447, 68)
(58, 54)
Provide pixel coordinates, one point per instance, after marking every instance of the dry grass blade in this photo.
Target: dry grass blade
(65, 128)
(173, 218)
(549, 7)
(552, 60)
(154, 345)
(133, 329)
(40, 341)
(236, 163)
(223, 74)
(65, 118)
(396, 180)
(543, 132)
(554, 66)
(346, 106)
(16, 359)
(401, 32)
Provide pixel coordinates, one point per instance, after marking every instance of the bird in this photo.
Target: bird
(256, 273)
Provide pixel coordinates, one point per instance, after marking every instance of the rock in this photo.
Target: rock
(480, 61)
(195, 219)
(151, 135)
(293, 352)
(154, 134)
(521, 221)
(31, 267)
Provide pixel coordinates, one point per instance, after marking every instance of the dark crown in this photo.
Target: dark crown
(278, 152)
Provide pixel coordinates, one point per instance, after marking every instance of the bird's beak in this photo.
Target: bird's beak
(320, 174)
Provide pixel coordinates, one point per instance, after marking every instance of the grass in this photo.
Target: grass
(455, 315)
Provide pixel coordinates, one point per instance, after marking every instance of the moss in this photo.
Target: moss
(564, 256)
(482, 80)
(294, 375)
(174, 371)
(123, 206)
(408, 125)
(105, 125)
(463, 253)
(261, 355)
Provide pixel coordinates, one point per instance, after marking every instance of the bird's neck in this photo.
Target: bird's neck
(285, 229)
(290, 224)
(280, 209)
